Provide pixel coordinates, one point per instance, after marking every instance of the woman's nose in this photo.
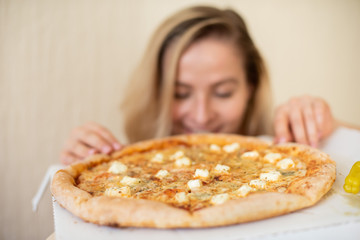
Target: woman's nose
(201, 112)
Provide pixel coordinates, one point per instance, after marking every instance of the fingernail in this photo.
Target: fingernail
(106, 149)
(314, 145)
(282, 140)
(92, 151)
(116, 146)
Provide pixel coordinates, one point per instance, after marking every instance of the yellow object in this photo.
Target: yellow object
(352, 181)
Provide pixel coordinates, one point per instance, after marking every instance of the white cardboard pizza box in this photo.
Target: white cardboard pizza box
(336, 216)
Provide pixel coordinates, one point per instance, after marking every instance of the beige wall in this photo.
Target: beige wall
(65, 62)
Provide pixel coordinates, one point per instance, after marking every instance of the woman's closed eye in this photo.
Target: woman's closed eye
(226, 94)
(225, 88)
(182, 95)
(182, 91)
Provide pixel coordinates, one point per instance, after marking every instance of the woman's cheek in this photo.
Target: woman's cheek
(232, 113)
(179, 109)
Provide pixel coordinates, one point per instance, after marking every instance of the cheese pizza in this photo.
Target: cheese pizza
(190, 181)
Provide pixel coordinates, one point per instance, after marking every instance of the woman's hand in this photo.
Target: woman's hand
(87, 140)
(304, 119)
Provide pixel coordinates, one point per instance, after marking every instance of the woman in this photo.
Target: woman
(202, 72)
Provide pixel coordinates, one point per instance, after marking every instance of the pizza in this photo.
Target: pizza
(194, 181)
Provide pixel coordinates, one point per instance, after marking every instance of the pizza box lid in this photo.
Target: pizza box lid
(336, 216)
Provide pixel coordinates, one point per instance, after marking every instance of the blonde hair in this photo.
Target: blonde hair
(148, 99)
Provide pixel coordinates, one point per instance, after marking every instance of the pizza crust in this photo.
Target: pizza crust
(123, 212)
(254, 207)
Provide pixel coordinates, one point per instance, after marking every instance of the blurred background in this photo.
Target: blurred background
(63, 63)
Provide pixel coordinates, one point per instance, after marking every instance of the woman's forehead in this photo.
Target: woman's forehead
(210, 59)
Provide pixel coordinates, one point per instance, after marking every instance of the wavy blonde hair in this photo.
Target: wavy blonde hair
(148, 99)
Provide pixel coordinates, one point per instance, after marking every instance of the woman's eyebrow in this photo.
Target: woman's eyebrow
(226, 81)
(215, 85)
(180, 84)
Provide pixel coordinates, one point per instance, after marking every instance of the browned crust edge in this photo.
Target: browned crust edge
(321, 172)
(145, 213)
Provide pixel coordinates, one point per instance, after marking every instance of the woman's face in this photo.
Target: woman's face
(211, 91)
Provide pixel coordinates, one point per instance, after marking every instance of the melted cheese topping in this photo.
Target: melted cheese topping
(193, 177)
(117, 168)
(272, 157)
(183, 162)
(162, 173)
(285, 164)
(231, 147)
(219, 198)
(194, 184)
(158, 158)
(118, 192)
(244, 190)
(215, 148)
(221, 169)
(181, 197)
(201, 173)
(130, 181)
(270, 176)
(253, 155)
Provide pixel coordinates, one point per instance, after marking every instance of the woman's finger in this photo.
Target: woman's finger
(326, 122)
(319, 112)
(105, 134)
(297, 124)
(310, 124)
(309, 119)
(93, 140)
(86, 140)
(281, 125)
(81, 150)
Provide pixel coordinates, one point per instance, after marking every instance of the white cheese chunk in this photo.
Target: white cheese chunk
(272, 157)
(177, 155)
(221, 168)
(270, 176)
(117, 168)
(181, 197)
(286, 163)
(129, 181)
(301, 165)
(215, 148)
(194, 184)
(162, 173)
(252, 155)
(219, 198)
(257, 183)
(201, 173)
(118, 192)
(183, 162)
(231, 147)
(158, 158)
(244, 190)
